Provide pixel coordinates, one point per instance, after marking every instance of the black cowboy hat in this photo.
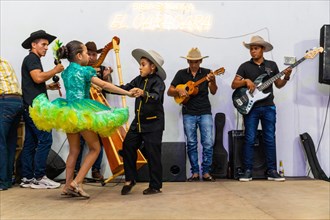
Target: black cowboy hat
(41, 34)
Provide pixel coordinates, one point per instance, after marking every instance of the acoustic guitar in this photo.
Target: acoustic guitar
(244, 100)
(192, 87)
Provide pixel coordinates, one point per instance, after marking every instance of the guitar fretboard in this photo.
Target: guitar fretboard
(216, 72)
(267, 83)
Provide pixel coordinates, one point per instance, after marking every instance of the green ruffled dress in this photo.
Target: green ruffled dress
(77, 112)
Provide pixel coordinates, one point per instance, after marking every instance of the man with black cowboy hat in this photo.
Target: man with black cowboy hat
(197, 112)
(263, 110)
(37, 143)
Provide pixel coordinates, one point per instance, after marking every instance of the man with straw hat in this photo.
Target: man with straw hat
(263, 110)
(196, 112)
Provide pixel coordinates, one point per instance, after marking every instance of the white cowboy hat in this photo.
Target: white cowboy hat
(194, 54)
(154, 57)
(257, 40)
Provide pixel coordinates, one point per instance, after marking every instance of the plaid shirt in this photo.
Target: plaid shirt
(8, 80)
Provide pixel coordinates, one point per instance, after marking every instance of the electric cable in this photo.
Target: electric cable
(325, 121)
(321, 137)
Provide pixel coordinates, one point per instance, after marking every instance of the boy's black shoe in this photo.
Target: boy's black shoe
(151, 191)
(127, 188)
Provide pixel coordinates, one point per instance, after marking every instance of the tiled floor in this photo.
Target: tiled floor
(223, 199)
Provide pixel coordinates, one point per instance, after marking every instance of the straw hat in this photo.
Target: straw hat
(194, 54)
(154, 57)
(259, 41)
(41, 34)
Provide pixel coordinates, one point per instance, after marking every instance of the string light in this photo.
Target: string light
(162, 16)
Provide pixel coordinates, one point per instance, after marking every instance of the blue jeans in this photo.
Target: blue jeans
(205, 125)
(267, 116)
(10, 115)
(37, 144)
(98, 161)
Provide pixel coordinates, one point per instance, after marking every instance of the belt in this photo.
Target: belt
(10, 96)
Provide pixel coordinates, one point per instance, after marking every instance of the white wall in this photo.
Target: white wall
(291, 26)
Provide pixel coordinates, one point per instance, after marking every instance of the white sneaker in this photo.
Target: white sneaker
(26, 183)
(45, 183)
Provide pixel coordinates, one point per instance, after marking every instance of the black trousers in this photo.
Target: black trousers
(152, 143)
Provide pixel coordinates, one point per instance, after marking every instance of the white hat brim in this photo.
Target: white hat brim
(266, 45)
(191, 58)
(139, 53)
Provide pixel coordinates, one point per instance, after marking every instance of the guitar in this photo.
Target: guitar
(244, 100)
(192, 87)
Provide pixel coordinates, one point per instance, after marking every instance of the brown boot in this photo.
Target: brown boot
(97, 175)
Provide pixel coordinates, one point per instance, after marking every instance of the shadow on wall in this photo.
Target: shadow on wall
(308, 89)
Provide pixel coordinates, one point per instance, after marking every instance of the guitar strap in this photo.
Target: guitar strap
(268, 71)
(265, 69)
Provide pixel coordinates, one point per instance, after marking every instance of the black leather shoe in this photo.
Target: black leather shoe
(127, 188)
(193, 179)
(151, 191)
(209, 179)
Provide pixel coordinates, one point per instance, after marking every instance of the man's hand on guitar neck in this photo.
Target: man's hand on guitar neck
(212, 84)
(287, 73)
(279, 83)
(210, 77)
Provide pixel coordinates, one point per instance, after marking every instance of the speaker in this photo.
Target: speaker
(173, 161)
(55, 165)
(236, 165)
(324, 64)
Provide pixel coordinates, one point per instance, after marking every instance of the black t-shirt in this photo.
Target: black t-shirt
(29, 87)
(251, 70)
(200, 103)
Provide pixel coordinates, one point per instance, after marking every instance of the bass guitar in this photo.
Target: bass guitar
(244, 100)
(192, 87)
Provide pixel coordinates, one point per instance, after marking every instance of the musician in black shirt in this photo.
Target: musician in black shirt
(196, 112)
(263, 110)
(37, 143)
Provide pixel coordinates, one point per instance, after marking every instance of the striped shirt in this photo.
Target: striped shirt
(8, 80)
